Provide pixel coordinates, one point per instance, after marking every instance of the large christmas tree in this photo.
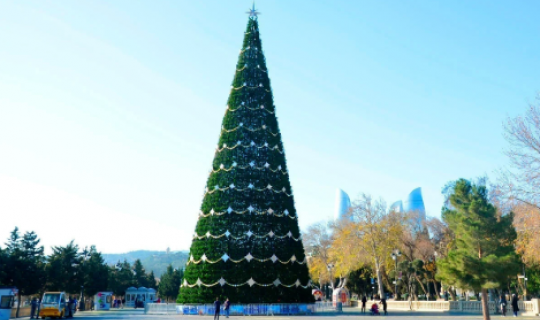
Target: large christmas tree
(247, 244)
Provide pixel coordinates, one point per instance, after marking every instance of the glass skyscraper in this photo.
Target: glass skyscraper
(343, 204)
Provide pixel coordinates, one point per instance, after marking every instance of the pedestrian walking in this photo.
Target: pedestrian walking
(364, 301)
(136, 302)
(34, 306)
(503, 303)
(217, 306)
(515, 307)
(226, 307)
(123, 302)
(92, 305)
(384, 306)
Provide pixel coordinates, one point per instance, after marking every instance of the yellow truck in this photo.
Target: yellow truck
(53, 305)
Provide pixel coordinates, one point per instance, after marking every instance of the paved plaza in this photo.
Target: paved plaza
(347, 315)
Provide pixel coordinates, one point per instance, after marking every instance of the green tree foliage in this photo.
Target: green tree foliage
(360, 281)
(95, 273)
(3, 265)
(151, 280)
(249, 195)
(120, 278)
(482, 255)
(411, 272)
(169, 284)
(140, 276)
(24, 262)
(62, 269)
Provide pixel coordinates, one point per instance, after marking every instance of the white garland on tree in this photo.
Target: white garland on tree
(244, 85)
(247, 235)
(241, 126)
(230, 210)
(269, 187)
(250, 282)
(251, 145)
(248, 257)
(228, 109)
(251, 165)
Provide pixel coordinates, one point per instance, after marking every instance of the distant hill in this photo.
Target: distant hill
(156, 261)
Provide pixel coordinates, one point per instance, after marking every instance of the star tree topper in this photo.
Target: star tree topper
(253, 12)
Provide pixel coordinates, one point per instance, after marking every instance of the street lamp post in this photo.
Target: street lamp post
(395, 255)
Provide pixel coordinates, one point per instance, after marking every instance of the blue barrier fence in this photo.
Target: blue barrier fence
(235, 309)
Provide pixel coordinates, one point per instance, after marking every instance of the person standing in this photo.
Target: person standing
(70, 308)
(364, 301)
(217, 305)
(515, 307)
(226, 307)
(384, 305)
(503, 303)
(34, 305)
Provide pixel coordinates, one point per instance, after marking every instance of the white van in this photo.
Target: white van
(53, 305)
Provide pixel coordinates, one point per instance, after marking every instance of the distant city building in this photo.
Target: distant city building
(397, 206)
(414, 203)
(343, 204)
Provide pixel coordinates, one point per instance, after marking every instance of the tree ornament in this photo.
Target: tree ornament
(222, 281)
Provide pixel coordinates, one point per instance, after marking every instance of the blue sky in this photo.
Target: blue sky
(110, 110)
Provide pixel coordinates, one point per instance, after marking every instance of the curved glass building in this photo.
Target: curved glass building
(415, 203)
(397, 206)
(343, 204)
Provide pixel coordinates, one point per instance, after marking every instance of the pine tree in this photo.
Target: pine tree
(247, 245)
(482, 255)
(24, 265)
(169, 284)
(95, 273)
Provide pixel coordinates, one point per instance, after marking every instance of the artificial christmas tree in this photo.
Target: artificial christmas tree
(247, 244)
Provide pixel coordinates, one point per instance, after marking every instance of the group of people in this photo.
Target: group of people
(119, 303)
(35, 305)
(217, 308)
(513, 302)
(374, 309)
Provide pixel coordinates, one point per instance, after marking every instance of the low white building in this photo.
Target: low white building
(142, 295)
